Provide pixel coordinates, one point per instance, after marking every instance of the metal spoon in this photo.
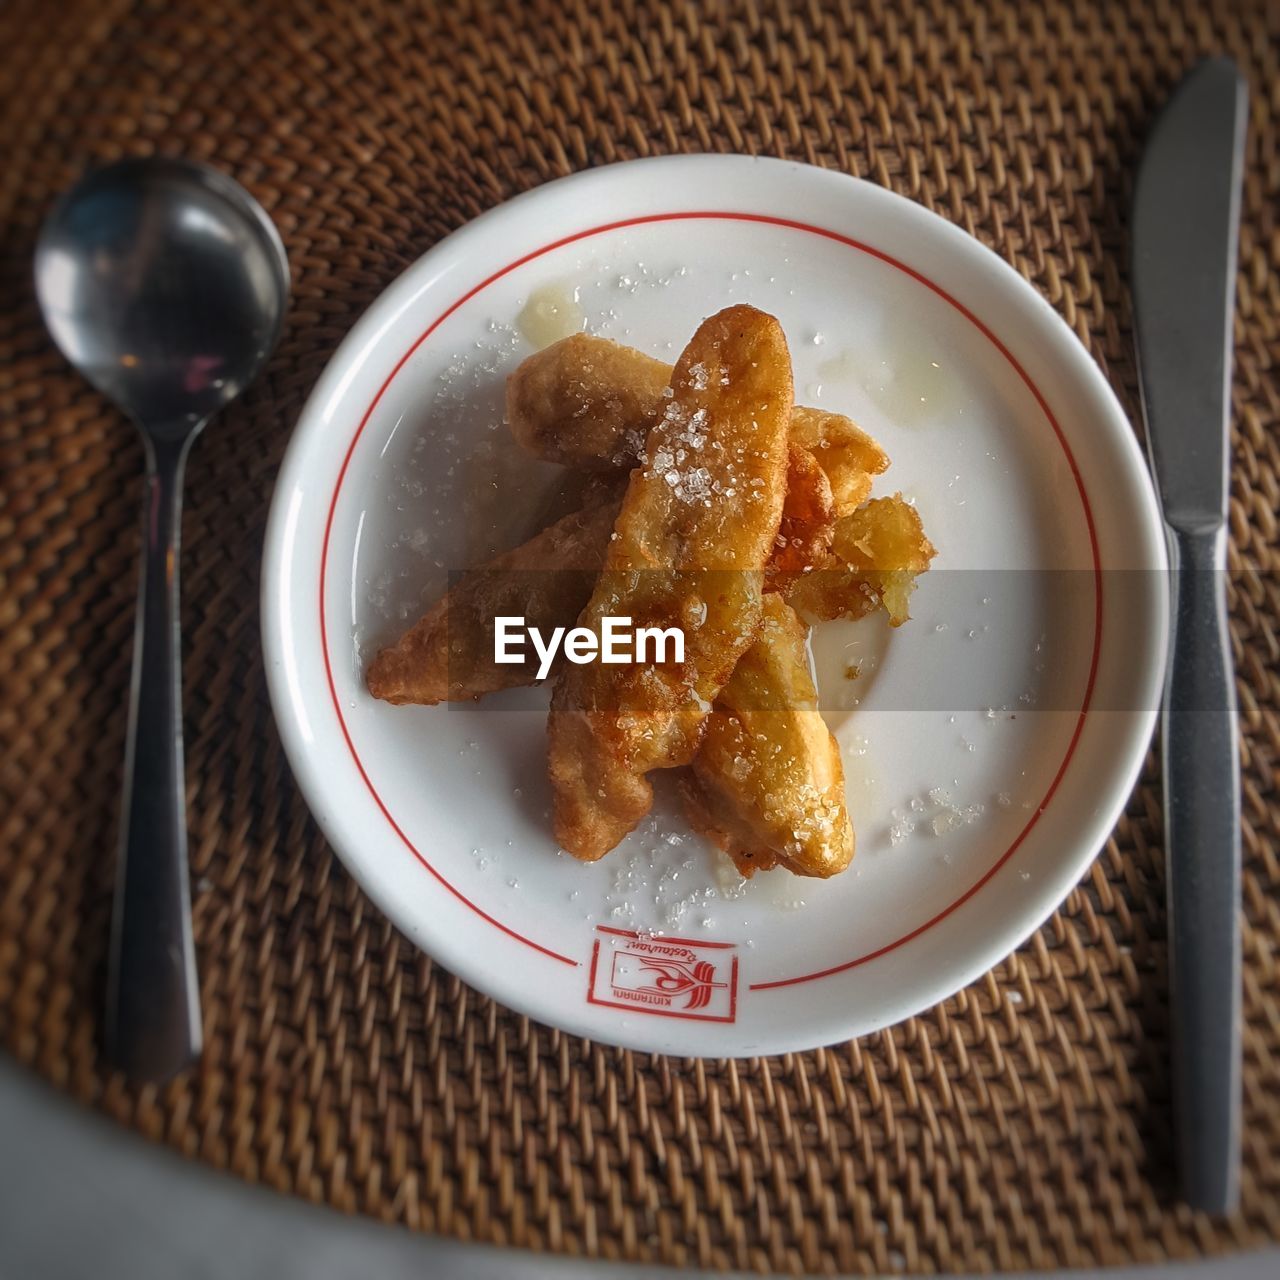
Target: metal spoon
(165, 284)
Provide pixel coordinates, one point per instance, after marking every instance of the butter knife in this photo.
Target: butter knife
(1185, 234)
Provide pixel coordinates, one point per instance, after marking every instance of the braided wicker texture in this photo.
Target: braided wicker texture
(1025, 1122)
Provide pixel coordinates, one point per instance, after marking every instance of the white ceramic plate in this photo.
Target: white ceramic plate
(996, 736)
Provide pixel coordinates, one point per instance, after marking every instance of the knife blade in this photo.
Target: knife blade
(1185, 234)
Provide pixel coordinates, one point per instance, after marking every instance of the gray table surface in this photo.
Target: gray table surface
(82, 1199)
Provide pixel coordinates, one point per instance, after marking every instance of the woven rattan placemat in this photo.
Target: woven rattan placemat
(1025, 1121)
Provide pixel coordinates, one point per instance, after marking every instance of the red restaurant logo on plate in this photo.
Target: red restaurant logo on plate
(670, 977)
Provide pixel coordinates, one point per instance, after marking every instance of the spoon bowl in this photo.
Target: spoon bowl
(165, 284)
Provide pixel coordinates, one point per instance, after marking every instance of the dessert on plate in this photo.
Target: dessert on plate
(718, 508)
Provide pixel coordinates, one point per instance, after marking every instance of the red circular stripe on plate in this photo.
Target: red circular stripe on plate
(852, 244)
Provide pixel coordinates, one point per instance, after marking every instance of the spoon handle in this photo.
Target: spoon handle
(153, 1003)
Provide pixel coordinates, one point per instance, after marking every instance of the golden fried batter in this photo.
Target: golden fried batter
(767, 784)
(553, 574)
(447, 655)
(585, 402)
(736, 492)
(696, 527)
(876, 555)
(588, 403)
(808, 521)
(850, 457)
(871, 562)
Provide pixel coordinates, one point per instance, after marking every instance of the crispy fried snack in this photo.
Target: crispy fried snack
(850, 457)
(585, 402)
(767, 784)
(876, 555)
(808, 521)
(447, 655)
(866, 561)
(696, 527)
(589, 403)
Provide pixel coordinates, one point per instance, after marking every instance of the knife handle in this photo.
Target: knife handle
(1202, 842)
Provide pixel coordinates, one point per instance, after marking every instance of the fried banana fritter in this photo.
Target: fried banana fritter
(586, 403)
(696, 528)
(552, 575)
(740, 510)
(808, 521)
(864, 562)
(850, 458)
(444, 657)
(767, 784)
(876, 555)
(447, 656)
(589, 403)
